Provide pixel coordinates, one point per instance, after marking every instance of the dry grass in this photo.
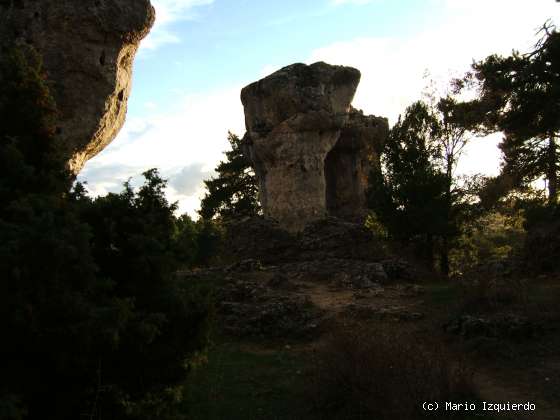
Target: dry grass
(360, 373)
(489, 292)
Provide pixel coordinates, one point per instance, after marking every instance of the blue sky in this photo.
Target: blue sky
(217, 44)
(190, 69)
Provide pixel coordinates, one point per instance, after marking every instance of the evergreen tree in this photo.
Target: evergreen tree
(186, 241)
(518, 95)
(94, 320)
(29, 158)
(55, 311)
(452, 138)
(409, 197)
(416, 196)
(234, 191)
(136, 243)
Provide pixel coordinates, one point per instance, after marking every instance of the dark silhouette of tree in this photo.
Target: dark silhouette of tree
(233, 192)
(452, 137)
(417, 196)
(30, 162)
(186, 238)
(137, 242)
(49, 294)
(518, 95)
(409, 197)
(93, 317)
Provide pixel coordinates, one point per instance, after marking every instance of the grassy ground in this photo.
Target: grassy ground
(248, 382)
(267, 379)
(526, 369)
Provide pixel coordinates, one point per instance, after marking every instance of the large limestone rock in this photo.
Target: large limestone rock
(88, 47)
(309, 148)
(349, 164)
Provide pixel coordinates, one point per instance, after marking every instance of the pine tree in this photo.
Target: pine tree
(94, 320)
(234, 191)
(518, 95)
(29, 159)
(417, 196)
(409, 197)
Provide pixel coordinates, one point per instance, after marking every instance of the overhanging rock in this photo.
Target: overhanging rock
(87, 48)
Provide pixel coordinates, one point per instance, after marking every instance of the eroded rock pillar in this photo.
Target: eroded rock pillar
(294, 118)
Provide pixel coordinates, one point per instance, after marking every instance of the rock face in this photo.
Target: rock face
(263, 239)
(349, 163)
(309, 148)
(88, 47)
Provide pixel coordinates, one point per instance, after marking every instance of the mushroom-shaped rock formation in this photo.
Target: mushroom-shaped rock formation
(87, 49)
(309, 148)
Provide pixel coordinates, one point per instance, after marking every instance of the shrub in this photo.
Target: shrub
(95, 324)
(135, 245)
(492, 285)
(542, 245)
(495, 236)
(361, 373)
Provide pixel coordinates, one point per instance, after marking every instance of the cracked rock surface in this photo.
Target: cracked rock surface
(310, 149)
(88, 48)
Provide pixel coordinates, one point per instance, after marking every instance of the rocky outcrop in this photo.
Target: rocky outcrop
(293, 119)
(88, 48)
(300, 299)
(349, 163)
(309, 148)
(263, 239)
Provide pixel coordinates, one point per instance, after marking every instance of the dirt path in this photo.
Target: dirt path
(499, 390)
(271, 296)
(337, 300)
(513, 386)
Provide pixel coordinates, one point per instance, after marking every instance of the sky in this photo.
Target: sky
(190, 70)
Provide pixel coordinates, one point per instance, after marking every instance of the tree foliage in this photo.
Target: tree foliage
(233, 192)
(416, 195)
(518, 95)
(409, 197)
(136, 243)
(29, 160)
(94, 321)
(493, 236)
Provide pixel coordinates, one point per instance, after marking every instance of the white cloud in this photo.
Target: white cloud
(186, 182)
(150, 105)
(169, 12)
(393, 68)
(186, 187)
(105, 178)
(187, 140)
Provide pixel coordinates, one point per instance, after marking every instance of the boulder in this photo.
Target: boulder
(87, 48)
(310, 150)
